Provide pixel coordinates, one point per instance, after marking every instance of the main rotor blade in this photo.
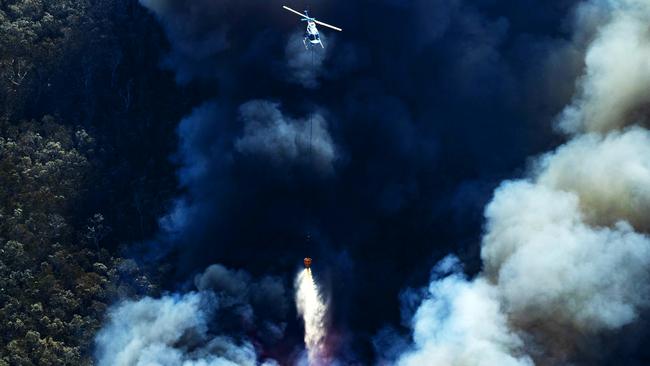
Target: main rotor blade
(328, 26)
(293, 11)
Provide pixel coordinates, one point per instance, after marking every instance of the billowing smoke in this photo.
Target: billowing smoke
(549, 264)
(609, 173)
(613, 90)
(267, 132)
(313, 310)
(410, 157)
(217, 139)
(166, 331)
(461, 323)
(566, 257)
(253, 306)
(226, 322)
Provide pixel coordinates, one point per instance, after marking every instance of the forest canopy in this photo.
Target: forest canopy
(66, 96)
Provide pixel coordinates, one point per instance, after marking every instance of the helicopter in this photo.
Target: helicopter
(311, 36)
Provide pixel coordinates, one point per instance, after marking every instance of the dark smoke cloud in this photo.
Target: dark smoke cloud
(415, 107)
(259, 306)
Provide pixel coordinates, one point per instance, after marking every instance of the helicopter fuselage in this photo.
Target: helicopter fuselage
(312, 35)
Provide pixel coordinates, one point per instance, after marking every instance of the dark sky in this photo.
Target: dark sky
(422, 108)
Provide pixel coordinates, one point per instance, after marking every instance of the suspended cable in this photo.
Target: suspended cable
(311, 148)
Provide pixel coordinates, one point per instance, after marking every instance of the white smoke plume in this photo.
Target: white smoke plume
(313, 310)
(169, 331)
(613, 91)
(548, 263)
(461, 324)
(218, 325)
(566, 253)
(609, 173)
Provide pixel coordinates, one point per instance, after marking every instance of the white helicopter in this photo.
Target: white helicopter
(312, 35)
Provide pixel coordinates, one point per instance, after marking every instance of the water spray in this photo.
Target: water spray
(313, 310)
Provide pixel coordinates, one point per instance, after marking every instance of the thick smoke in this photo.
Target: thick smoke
(613, 91)
(209, 155)
(270, 134)
(565, 253)
(412, 108)
(232, 318)
(225, 323)
(609, 173)
(258, 306)
(549, 264)
(166, 331)
(461, 323)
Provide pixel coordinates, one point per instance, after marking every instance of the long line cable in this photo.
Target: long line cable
(311, 153)
(311, 118)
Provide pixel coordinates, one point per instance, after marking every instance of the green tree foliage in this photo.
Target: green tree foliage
(34, 35)
(87, 122)
(96, 64)
(55, 281)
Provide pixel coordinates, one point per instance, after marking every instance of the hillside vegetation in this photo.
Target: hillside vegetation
(83, 169)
